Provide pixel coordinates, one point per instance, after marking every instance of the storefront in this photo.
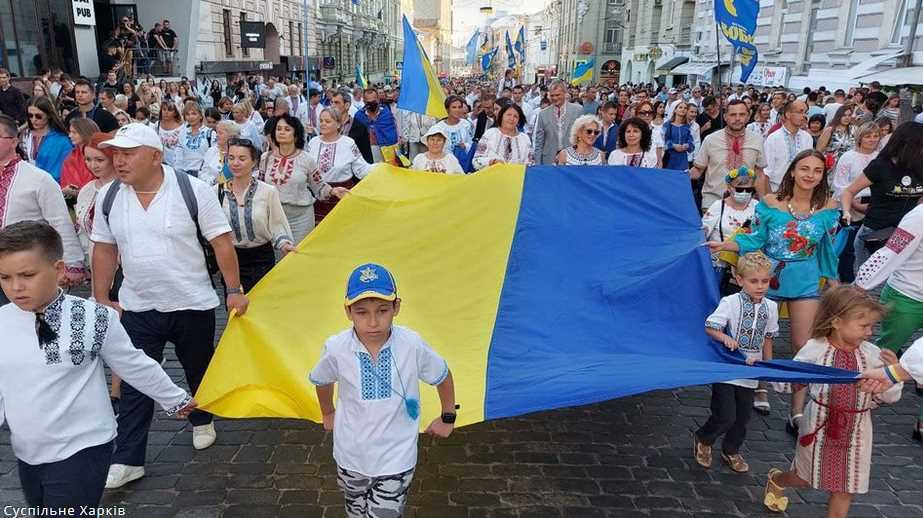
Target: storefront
(40, 34)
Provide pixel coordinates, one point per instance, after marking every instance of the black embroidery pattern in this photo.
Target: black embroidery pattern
(100, 329)
(78, 323)
(53, 318)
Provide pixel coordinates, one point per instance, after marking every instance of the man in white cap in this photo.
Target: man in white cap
(155, 222)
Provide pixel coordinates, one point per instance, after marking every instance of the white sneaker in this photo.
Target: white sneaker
(203, 436)
(121, 474)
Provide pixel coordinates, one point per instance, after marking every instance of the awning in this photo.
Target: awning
(694, 69)
(864, 67)
(665, 66)
(895, 76)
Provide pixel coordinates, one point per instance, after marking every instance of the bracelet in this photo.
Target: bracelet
(890, 374)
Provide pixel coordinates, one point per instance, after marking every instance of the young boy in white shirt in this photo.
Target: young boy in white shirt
(378, 367)
(745, 321)
(53, 389)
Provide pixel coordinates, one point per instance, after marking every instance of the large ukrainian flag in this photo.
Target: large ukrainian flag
(542, 287)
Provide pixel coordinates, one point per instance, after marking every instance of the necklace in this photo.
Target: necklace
(794, 215)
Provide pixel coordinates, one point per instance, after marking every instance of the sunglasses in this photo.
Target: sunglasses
(645, 112)
(37, 116)
(750, 190)
(240, 142)
(592, 132)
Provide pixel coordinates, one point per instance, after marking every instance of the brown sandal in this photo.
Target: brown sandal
(702, 452)
(736, 462)
(774, 502)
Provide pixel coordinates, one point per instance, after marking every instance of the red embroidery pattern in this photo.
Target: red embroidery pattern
(326, 157)
(282, 169)
(835, 451)
(899, 240)
(6, 183)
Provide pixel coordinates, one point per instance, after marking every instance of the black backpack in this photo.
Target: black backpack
(185, 186)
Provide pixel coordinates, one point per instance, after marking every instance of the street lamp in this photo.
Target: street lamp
(487, 9)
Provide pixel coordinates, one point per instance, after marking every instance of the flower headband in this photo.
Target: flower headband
(743, 170)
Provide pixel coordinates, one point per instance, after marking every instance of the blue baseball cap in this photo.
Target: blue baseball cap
(370, 281)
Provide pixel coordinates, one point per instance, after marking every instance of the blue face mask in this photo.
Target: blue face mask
(743, 197)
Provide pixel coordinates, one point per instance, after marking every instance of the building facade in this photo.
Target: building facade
(658, 40)
(368, 34)
(432, 19)
(542, 42)
(592, 30)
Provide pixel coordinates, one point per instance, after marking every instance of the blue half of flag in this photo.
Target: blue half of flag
(510, 55)
(520, 44)
(472, 48)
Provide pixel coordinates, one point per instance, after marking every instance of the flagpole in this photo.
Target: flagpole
(718, 56)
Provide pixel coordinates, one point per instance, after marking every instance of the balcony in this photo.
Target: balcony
(612, 48)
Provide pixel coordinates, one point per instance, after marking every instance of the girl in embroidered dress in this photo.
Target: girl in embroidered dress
(338, 159)
(506, 144)
(294, 173)
(582, 150)
(795, 227)
(834, 449)
(761, 124)
(435, 159)
(634, 148)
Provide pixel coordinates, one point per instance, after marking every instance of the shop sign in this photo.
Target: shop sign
(84, 14)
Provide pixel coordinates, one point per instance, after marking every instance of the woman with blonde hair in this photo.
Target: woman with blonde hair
(338, 159)
(195, 139)
(242, 114)
(583, 135)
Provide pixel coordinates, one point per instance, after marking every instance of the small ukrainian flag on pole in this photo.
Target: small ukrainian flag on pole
(583, 71)
(420, 88)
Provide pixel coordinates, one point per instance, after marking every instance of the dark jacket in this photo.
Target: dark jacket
(611, 140)
(105, 120)
(360, 134)
(13, 104)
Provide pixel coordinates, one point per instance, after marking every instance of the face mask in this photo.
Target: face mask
(372, 106)
(743, 197)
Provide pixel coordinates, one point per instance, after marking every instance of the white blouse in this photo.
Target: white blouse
(642, 159)
(338, 161)
(191, 148)
(495, 145)
(257, 219)
(460, 133)
(900, 261)
(448, 164)
(28, 193)
(296, 177)
(170, 140)
(572, 157)
(84, 211)
(212, 165)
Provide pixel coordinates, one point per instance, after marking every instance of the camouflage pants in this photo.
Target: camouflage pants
(374, 497)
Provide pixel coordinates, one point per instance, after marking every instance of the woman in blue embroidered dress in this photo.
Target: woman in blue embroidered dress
(795, 227)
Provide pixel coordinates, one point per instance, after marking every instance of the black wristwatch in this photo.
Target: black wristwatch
(449, 418)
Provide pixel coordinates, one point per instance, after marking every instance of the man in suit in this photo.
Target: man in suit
(350, 126)
(552, 129)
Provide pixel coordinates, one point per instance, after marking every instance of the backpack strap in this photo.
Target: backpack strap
(110, 198)
(192, 205)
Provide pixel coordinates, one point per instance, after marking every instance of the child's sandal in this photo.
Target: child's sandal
(762, 406)
(736, 462)
(702, 452)
(773, 501)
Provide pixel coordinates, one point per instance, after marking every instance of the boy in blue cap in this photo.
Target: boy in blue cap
(378, 366)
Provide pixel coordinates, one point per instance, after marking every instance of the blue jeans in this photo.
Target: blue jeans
(70, 483)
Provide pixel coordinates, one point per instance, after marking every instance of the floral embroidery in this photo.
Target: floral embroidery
(6, 183)
(53, 318)
(899, 240)
(326, 158)
(100, 329)
(376, 377)
(282, 169)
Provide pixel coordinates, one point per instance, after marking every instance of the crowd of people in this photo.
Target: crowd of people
(154, 189)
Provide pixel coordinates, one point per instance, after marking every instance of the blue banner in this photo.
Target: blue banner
(472, 48)
(520, 45)
(510, 54)
(737, 20)
(487, 59)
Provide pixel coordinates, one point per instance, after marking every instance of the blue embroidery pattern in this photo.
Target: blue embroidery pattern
(750, 339)
(376, 379)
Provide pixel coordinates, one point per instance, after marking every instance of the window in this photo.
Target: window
(245, 51)
(851, 18)
(300, 40)
(228, 49)
(899, 20)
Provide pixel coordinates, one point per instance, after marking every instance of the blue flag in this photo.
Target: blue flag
(520, 45)
(737, 20)
(360, 77)
(472, 48)
(510, 55)
(488, 58)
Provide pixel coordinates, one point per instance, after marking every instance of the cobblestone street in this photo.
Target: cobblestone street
(623, 458)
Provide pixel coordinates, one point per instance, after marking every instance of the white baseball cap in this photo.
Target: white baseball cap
(134, 135)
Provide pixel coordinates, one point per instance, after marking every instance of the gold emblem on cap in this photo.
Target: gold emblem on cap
(368, 274)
